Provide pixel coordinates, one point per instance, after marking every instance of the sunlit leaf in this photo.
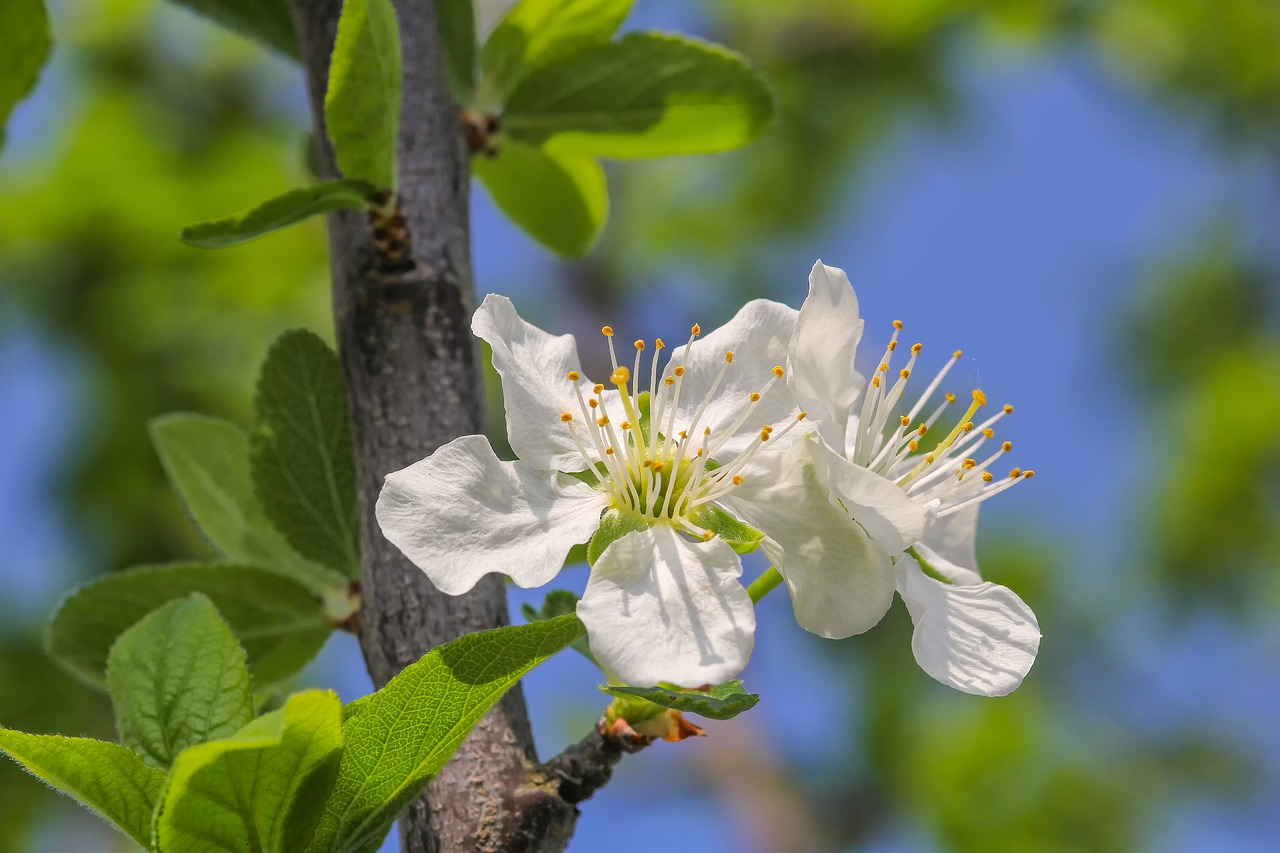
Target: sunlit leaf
(362, 104)
(280, 212)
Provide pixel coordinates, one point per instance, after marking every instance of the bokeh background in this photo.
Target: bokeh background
(1084, 196)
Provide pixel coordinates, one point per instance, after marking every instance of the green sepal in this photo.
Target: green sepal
(614, 524)
(741, 536)
(929, 569)
(721, 702)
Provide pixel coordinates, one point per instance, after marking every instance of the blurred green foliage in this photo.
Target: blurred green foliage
(158, 120)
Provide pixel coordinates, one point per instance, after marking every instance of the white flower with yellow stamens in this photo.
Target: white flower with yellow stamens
(910, 493)
(651, 472)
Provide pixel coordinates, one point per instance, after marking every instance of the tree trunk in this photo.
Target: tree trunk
(414, 383)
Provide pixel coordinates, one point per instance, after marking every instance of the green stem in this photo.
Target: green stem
(763, 585)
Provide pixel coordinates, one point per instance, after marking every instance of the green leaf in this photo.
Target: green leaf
(262, 789)
(280, 212)
(300, 451)
(614, 524)
(25, 28)
(560, 200)
(536, 33)
(266, 21)
(559, 602)
(280, 624)
(207, 461)
(178, 678)
(362, 104)
(457, 23)
(108, 779)
(387, 762)
(741, 536)
(722, 702)
(646, 95)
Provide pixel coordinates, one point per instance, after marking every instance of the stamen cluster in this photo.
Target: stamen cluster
(653, 466)
(950, 474)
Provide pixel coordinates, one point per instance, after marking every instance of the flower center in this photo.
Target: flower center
(651, 465)
(951, 475)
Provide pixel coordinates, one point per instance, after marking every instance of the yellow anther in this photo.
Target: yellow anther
(1027, 475)
(755, 398)
(979, 397)
(708, 535)
(917, 348)
(986, 477)
(802, 416)
(640, 345)
(778, 371)
(597, 389)
(906, 374)
(904, 420)
(957, 354)
(929, 458)
(951, 398)
(767, 428)
(659, 343)
(764, 435)
(706, 430)
(684, 434)
(913, 445)
(593, 403)
(1007, 446)
(566, 417)
(970, 463)
(608, 451)
(658, 466)
(670, 380)
(1015, 473)
(728, 357)
(679, 371)
(607, 331)
(967, 426)
(897, 324)
(603, 421)
(626, 424)
(701, 450)
(648, 463)
(883, 367)
(875, 381)
(737, 479)
(893, 345)
(697, 330)
(989, 432)
(574, 376)
(922, 429)
(620, 376)
(1008, 410)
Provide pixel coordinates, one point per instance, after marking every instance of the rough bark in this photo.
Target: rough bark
(414, 383)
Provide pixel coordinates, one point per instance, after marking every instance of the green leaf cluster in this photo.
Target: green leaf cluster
(25, 28)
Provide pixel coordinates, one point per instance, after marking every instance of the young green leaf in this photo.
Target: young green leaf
(300, 451)
(559, 602)
(646, 95)
(722, 702)
(279, 212)
(261, 789)
(267, 21)
(614, 524)
(457, 23)
(536, 33)
(561, 201)
(207, 460)
(362, 104)
(385, 764)
(178, 678)
(280, 624)
(25, 28)
(108, 779)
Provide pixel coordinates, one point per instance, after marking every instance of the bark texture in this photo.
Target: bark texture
(414, 382)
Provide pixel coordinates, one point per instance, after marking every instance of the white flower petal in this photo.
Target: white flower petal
(892, 519)
(661, 608)
(534, 367)
(949, 546)
(979, 638)
(461, 513)
(841, 582)
(826, 336)
(758, 336)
